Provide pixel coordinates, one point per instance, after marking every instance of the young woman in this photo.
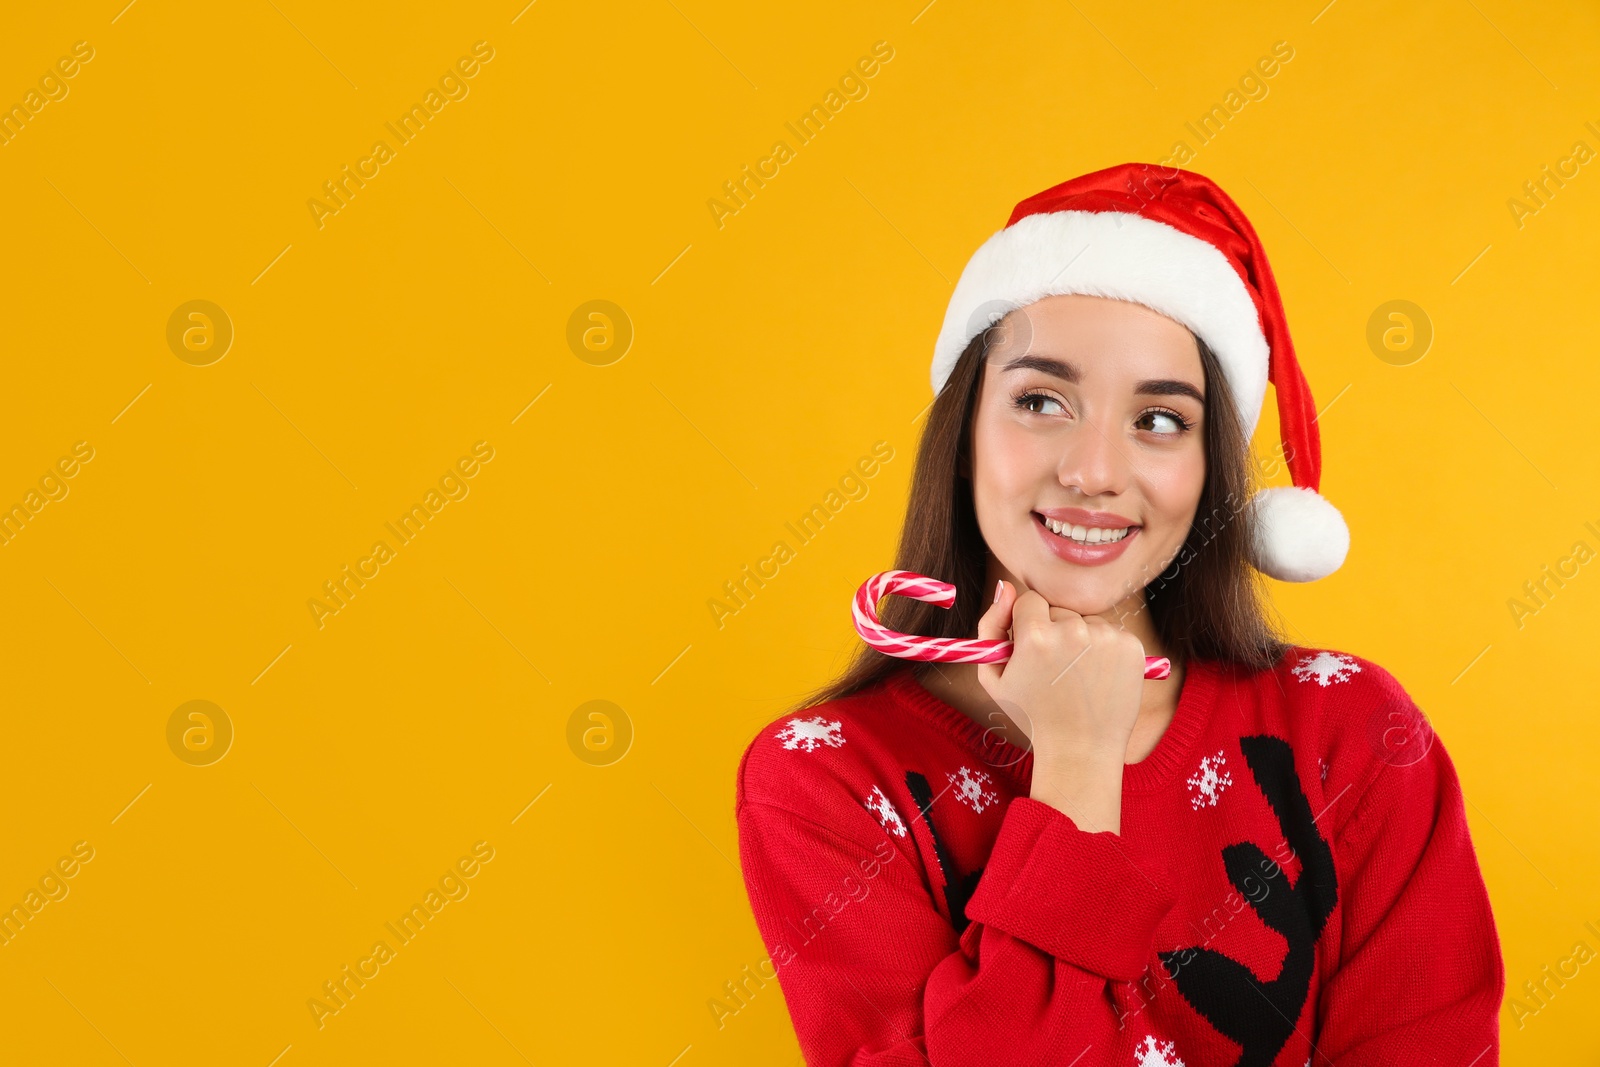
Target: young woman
(1261, 859)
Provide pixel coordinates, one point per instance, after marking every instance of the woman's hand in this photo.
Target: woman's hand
(1074, 683)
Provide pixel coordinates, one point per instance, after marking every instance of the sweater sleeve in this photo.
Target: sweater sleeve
(873, 974)
(1420, 976)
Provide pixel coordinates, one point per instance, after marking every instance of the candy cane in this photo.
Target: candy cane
(864, 612)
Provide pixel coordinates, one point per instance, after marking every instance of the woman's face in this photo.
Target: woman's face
(1090, 415)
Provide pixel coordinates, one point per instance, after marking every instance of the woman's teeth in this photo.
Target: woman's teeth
(1088, 535)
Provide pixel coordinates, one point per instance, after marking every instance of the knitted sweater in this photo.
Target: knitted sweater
(1293, 884)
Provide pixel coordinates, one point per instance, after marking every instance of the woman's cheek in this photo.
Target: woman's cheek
(1003, 460)
(1175, 482)
(1027, 458)
(1176, 496)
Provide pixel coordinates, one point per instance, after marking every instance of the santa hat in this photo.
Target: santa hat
(1173, 241)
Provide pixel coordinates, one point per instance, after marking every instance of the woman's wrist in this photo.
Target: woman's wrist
(1085, 784)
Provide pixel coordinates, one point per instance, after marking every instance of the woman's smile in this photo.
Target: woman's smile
(1090, 546)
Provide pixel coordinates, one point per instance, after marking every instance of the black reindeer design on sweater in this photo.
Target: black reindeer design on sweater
(1259, 1015)
(957, 889)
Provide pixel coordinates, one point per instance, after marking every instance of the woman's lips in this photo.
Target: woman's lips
(1075, 552)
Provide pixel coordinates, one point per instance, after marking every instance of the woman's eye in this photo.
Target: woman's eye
(1167, 423)
(1035, 402)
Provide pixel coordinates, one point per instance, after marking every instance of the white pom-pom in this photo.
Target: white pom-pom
(1299, 536)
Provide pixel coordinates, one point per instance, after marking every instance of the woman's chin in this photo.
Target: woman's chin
(1084, 602)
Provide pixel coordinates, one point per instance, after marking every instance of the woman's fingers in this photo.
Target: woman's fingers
(993, 626)
(1031, 610)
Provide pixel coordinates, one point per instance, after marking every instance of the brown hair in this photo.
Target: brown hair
(1209, 604)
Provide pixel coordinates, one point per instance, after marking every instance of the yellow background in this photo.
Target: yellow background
(769, 354)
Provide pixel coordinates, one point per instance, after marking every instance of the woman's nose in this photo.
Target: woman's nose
(1093, 462)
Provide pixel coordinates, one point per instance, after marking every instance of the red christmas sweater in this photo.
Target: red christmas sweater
(1294, 884)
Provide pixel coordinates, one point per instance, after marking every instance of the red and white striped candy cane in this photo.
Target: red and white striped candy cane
(864, 612)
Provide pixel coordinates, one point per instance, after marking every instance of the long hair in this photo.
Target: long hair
(1209, 604)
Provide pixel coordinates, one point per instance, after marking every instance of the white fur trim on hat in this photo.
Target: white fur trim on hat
(1122, 256)
(1299, 536)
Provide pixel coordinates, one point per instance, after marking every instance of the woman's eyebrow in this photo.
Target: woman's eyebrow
(1069, 372)
(1169, 387)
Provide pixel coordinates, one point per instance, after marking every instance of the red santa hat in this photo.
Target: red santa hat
(1173, 241)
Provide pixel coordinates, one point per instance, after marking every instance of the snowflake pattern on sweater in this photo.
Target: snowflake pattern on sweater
(881, 806)
(1153, 1053)
(806, 734)
(972, 789)
(1327, 668)
(1207, 783)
